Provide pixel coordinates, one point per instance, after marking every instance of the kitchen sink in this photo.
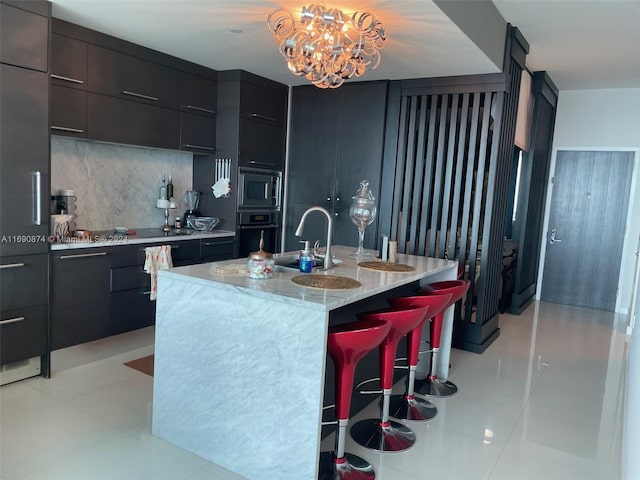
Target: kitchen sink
(292, 263)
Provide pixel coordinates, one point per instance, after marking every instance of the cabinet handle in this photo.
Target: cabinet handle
(67, 129)
(38, 198)
(67, 79)
(11, 320)
(200, 109)
(11, 265)
(253, 162)
(140, 95)
(83, 255)
(258, 227)
(173, 247)
(264, 117)
(147, 293)
(208, 244)
(199, 147)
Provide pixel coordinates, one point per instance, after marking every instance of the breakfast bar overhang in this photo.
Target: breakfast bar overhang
(240, 363)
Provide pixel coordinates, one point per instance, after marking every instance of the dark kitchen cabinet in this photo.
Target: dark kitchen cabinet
(23, 281)
(24, 161)
(336, 141)
(68, 62)
(197, 133)
(23, 334)
(68, 112)
(120, 75)
(116, 120)
(199, 94)
(251, 119)
(24, 35)
(79, 296)
(216, 249)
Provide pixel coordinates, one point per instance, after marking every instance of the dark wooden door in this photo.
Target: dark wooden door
(586, 228)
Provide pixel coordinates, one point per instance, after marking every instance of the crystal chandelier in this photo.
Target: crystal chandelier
(326, 46)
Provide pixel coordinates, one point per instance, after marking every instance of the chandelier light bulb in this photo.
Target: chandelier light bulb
(325, 45)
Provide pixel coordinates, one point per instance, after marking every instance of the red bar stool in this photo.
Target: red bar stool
(432, 385)
(382, 434)
(347, 344)
(408, 406)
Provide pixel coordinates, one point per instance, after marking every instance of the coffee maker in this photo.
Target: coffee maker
(191, 199)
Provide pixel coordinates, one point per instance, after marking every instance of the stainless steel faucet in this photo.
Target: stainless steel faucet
(328, 259)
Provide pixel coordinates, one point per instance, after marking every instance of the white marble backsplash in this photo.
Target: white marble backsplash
(117, 185)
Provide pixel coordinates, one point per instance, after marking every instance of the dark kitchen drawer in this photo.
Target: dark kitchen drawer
(216, 249)
(121, 75)
(68, 112)
(127, 255)
(113, 119)
(131, 310)
(24, 281)
(183, 252)
(23, 334)
(130, 278)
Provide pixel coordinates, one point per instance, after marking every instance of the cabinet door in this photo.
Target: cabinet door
(79, 297)
(68, 112)
(185, 252)
(24, 161)
(263, 104)
(23, 38)
(262, 145)
(198, 95)
(23, 334)
(115, 120)
(197, 133)
(68, 62)
(358, 155)
(131, 310)
(216, 249)
(24, 281)
(120, 75)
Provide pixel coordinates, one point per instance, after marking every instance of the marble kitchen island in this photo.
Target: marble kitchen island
(240, 362)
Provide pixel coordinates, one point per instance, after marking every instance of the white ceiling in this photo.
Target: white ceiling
(582, 44)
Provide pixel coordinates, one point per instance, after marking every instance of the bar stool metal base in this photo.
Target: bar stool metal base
(416, 409)
(392, 438)
(355, 468)
(435, 387)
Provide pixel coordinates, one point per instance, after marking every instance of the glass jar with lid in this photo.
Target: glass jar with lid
(260, 264)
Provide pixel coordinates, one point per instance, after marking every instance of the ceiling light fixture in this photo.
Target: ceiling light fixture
(325, 45)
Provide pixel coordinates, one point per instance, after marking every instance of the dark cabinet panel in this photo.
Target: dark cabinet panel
(24, 38)
(68, 112)
(68, 62)
(120, 75)
(131, 310)
(197, 133)
(336, 142)
(198, 94)
(263, 104)
(130, 278)
(262, 145)
(122, 121)
(23, 281)
(216, 249)
(24, 161)
(185, 252)
(23, 334)
(79, 296)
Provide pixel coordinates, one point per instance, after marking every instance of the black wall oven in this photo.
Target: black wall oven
(250, 226)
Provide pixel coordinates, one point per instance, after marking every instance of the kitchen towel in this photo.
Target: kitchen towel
(156, 259)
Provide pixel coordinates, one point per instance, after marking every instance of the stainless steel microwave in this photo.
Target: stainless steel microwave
(259, 189)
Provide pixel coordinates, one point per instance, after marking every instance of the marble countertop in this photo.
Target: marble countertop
(143, 235)
(280, 287)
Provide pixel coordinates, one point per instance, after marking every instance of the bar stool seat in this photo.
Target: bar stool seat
(408, 406)
(432, 385)
(347, 344)
(382, 434)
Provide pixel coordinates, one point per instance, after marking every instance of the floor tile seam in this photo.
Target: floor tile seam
(34, 386)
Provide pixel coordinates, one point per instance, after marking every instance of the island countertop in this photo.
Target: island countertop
(239, 370)
(280, 287)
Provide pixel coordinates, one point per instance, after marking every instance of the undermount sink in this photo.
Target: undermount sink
(292, 263)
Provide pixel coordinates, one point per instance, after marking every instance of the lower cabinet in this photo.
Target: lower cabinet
(79, 296)
(23, 334)
(101, 292)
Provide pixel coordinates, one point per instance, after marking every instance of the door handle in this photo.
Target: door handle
(552, 237)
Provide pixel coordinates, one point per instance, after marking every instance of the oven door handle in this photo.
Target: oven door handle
(259, 227)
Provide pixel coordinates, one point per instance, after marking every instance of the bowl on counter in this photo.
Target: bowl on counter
(202, 224)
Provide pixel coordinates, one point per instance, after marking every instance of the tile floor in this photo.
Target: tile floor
(545, 401)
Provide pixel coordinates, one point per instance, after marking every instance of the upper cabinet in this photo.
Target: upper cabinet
(24, 35)
(107, 89)
(263, 104)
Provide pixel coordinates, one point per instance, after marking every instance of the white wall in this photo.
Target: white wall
(606, 119)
